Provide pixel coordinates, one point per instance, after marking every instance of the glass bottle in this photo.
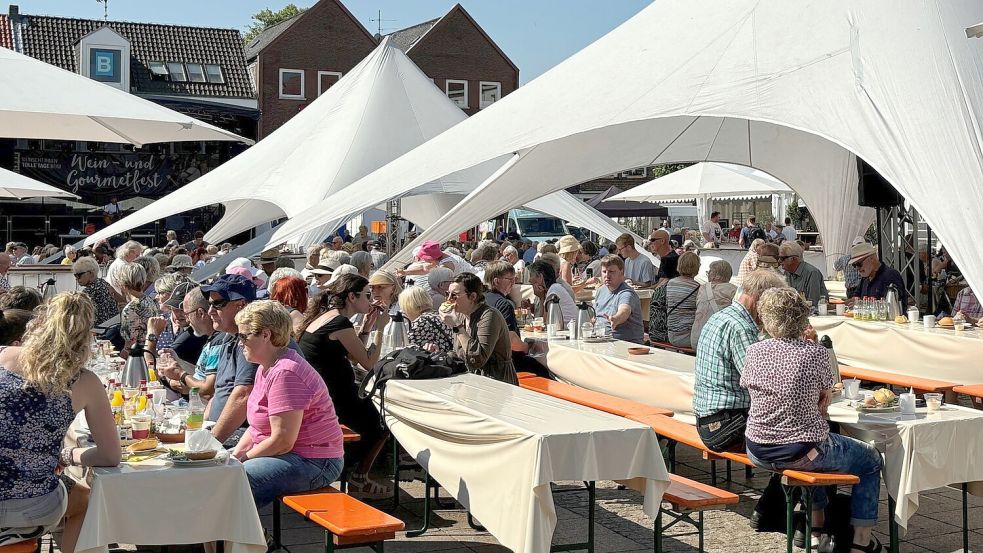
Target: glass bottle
(196, 410)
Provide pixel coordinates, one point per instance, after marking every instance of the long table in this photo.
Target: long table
(155, 503)
(660, 378)
(908, 349)
(496, 448)
(921, 452)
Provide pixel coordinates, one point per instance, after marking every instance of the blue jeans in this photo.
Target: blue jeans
(848, 456)
(272, 477)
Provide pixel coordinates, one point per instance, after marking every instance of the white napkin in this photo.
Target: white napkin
(201, 440)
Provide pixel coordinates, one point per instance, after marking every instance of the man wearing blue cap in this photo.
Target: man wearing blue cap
(234, 377)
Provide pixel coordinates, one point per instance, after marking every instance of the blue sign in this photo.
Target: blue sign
(105, 65)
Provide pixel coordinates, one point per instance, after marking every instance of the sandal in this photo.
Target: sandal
(873, 547)
(360, 486)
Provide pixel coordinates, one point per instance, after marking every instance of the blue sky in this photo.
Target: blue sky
(536, 34)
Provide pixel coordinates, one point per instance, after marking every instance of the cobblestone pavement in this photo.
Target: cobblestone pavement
(621, 526)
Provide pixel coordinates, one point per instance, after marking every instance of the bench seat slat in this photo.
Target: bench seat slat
(589, 398)
(692, 495)
(894, 379)
(343, 515)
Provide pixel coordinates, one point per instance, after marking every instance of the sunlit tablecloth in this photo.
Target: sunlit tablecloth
(496, 448)
(923, 452)
(154, 503)
(911, 349)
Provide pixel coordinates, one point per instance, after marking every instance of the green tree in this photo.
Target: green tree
(266, 18)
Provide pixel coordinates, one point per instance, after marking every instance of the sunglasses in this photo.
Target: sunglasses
(858, 264)
(784, 257)
(218, 304)
(80, 275)
(243, 335)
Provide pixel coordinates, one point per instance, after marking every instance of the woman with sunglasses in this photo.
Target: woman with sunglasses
(86, 271)
(294, 443)
(330, 342)
(483, 338)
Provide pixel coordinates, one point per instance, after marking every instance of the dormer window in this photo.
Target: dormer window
(214, 74)
(176, 71)
(158, 71)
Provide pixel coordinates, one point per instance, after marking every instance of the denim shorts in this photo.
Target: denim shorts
(272, 477)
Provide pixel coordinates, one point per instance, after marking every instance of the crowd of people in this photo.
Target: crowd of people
(277, 352)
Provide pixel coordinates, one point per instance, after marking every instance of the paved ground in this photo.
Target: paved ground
(623, 527)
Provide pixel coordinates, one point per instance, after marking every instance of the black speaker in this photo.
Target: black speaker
(874, 190)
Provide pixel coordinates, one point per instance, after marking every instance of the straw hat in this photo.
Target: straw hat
(326, 267)
(861, 251)
(567, 244)
(269, 256)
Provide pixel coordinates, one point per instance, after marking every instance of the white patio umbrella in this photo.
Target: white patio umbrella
(704, 182)
(15, 185)
(38, 100)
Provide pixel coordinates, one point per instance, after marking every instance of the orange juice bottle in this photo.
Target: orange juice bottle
(117, 405)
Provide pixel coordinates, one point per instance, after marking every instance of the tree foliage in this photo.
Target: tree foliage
(266, 18)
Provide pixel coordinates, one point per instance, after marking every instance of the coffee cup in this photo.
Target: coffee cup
(907, 403)
(913, 315)
(141, 426)
(929, 321)
(840, 309)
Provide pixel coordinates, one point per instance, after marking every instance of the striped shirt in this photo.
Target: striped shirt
(720, 357)
(292, 384)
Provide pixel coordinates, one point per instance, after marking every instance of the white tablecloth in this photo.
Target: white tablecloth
(924, 452)
(153, 503)
(660, 378)
(496, 448)
(949, 355)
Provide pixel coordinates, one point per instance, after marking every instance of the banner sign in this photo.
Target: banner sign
(99, 176)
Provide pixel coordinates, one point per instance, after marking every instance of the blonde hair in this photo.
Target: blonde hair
(783, 312)
(267, 315)
(132, 276)
(415, 300)
(688, 264)
(760, 280)
(56, 346)
(86, 265)
(129, 247)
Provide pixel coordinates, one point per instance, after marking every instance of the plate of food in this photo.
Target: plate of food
(193, 458)
(882, 401)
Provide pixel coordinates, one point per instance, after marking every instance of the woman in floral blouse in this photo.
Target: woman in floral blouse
(99, 291)
(133, 322)
(426, 326)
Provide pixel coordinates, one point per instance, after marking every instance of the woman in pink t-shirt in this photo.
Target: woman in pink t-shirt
(294, 442)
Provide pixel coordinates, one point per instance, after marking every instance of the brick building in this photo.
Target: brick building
(297, 60)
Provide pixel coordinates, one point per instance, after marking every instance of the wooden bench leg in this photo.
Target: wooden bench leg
(678, 517)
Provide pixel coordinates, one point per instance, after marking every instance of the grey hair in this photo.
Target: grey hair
(168, 282)
(132, 276)
(69, 249)
(150, 265)
(758, 281)
(486, 251)
(438, 275)
(282, 272)
(362, 260)
(790, 247)
(128, 247)
(86, 265)
(720, 271)
(509, 250)
(341, 257)
(783, 312)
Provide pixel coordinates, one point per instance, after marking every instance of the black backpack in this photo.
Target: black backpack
(757, 232)
(409, 363)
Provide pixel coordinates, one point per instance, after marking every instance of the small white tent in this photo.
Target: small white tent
(704, 182)
(903, 92)
(38, 100)
(381, 109)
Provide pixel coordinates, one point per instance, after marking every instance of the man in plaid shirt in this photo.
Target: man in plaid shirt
(719, 401)
(967, 303)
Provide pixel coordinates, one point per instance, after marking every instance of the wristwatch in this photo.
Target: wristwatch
(65, 457)
(184, 379)
(151, 338)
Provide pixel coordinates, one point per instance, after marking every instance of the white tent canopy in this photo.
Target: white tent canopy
(704, 182)
(381, 109)
(903, 92)
(976, 31)
(15, 185)
(39, 100)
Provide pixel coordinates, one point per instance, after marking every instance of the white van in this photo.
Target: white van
(535, 226)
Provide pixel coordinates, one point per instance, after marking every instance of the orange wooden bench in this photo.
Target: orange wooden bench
(347, 522)
(523, 375)
(590, 398)
(29, 546)
(678, 431)
(669, 347)
(921, 385)
(349, 435)
(686, 497)
(974, 391)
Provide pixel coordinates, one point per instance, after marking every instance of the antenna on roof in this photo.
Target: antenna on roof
(105, 9)
(378, 21)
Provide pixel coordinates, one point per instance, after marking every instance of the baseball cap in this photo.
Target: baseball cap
(231, 287)
(177, 296)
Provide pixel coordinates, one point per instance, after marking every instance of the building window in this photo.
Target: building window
(196, 73)
(457, 91)
(176, 71)
(491, 92)
(292, 84)
(325, 79)
(214, 74)
(158, 71)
